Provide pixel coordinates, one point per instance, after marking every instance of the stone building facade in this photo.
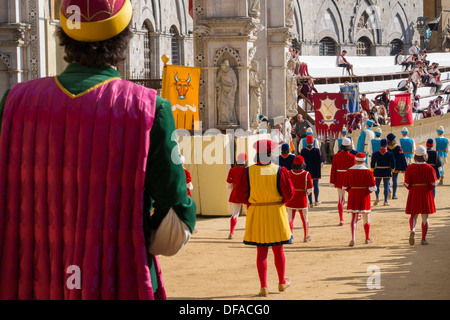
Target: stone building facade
(362, 27)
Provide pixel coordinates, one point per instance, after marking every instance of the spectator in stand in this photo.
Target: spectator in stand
(416, 104)
(423, 57)
(365, 103)
(383, 98)
(384, 118)
(400, 60)
(414, 49)
(308, 89)
(416, 77)
(404, 85)
(374, 116)
(343, 63)
(435, 82)
(301, 68)
(300, 130)
(412, 60)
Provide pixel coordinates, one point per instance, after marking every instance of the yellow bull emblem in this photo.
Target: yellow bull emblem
(182, 86)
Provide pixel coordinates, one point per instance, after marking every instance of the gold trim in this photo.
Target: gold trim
(99, 30)
(74, 96)
(266, 204)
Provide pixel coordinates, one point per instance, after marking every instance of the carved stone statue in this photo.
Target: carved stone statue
(291, 89)
(254, 8)
(290, 13)
(255, 91)
(226, 86)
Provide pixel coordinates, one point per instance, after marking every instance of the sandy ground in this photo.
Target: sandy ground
(211, 267)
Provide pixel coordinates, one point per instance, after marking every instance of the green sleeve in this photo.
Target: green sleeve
(165, 185)
(2, 107)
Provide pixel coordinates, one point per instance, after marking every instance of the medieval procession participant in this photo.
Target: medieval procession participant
(420, 180)
(303, 186)
(303, 143)
(363, 145)
(286, 158)
(442, 148)
(265, 188)
(434, 160)
(408, 145)
(376, 142)
(189, 184)
(338, 142)
(382, 165)
(314, 163)
(400, 162)
(341, 162)
(359, 182)
(113, 139)
(232, 179)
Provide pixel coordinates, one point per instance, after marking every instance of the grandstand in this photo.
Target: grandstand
(373, 74)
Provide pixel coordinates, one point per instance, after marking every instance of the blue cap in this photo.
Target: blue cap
(285, 147)
(383, 143)
(370, 123)
(390, 137)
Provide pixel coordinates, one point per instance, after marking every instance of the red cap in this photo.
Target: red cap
(309, 139)
(264, 146)
(241, 157)
(360, 156)
(299, 160)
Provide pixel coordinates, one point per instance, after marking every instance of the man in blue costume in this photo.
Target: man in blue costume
(382, 165)
(314, 162)
(442, 148)
(400, 162)
(286, 159)
(434, 160)
(408, 145)
(338, 142)
(364, 139)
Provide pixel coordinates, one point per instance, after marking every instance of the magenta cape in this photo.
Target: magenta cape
(72, 171)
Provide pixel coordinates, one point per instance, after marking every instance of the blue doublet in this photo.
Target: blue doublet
(441, 146)
(382, 164)
(407, 147)
(313, 159)
(435, 161)
(286, 162)
(400, 160)
(376, 145)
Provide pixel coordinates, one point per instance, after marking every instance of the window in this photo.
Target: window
(327, 47)
(147, 52)
(363, 48)
(175, 42)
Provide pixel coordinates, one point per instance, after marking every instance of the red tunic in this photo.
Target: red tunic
(359, 183)
(233, 178)
(302, 182)
(420, 180)
(341, 162)
(188, 180)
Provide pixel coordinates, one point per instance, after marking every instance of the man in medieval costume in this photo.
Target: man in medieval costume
(87, 176)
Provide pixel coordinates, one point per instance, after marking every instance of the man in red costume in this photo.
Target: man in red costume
(341, 162)
(359, 183)
(84, 159)
(232, 179)
(420, 180)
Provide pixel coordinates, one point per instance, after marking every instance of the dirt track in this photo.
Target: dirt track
(211, 267)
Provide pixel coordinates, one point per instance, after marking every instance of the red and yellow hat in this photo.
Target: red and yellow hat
(94, 20)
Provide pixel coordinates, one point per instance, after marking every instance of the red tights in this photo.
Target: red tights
(261, 264)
